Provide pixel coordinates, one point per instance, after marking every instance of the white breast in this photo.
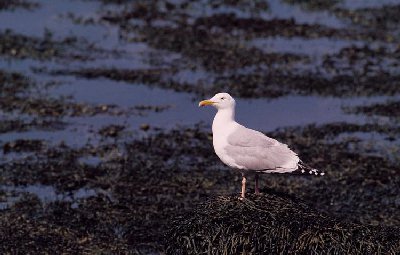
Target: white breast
(220, 141)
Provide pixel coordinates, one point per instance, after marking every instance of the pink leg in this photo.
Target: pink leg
(257, 190)
(243, 186)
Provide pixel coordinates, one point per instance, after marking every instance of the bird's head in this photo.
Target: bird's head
(219, 101)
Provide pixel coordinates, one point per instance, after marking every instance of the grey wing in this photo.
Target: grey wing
(253, 150)
(246, 137)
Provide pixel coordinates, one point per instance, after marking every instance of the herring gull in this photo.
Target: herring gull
(247, 150)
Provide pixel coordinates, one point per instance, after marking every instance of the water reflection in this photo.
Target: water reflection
(45, 193)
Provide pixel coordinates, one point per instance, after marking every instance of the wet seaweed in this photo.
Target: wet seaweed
(330, 130)
(365, 61)
(147, 182)
(111, 130)
(272, 224)
(47, 234)
(388, 109)
(219, 43)
(251, 6)
(152, 77)
(269, 84)
(18, 46)
(277, 83)
(215, 52)
(140, 192)
(14, 4)
(140, 183)
(385, 17)
(315, 4)
(23, 146)
(16, 125)
(21, 46)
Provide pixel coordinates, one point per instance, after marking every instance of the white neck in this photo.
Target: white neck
(223, 118)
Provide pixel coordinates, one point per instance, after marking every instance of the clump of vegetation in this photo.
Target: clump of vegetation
(272, 224)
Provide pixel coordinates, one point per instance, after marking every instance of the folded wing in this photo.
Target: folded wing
(252, 150)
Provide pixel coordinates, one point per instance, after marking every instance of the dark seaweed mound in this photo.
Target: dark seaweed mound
(272, 224)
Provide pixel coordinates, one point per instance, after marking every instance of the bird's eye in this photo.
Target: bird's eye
(222, 98)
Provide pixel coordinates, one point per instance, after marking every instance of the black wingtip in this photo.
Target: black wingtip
(304, 169)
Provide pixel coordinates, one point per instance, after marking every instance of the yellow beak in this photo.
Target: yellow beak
(206, 102)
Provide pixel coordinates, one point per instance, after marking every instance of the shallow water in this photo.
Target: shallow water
(261, 114)
(46, 194)
(57, 18)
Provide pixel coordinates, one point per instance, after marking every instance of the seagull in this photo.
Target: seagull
(248, 150)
